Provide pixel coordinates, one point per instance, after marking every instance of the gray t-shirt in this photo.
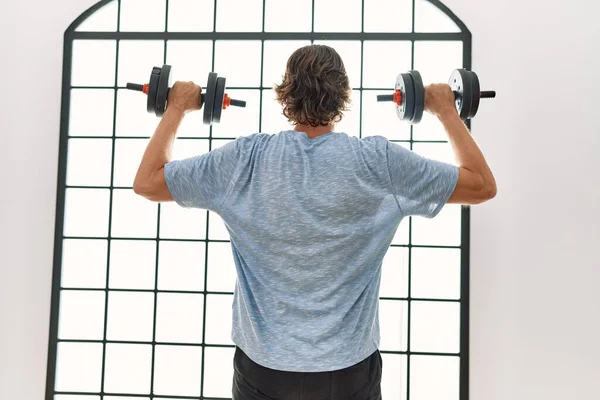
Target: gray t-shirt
(310, 221)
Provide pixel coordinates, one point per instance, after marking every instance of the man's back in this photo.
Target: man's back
(311, 214)
(310, 222)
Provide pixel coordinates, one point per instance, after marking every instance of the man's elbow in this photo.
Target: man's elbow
(492, 191)
(147, 192)
(142, 189)
(154, 190)
(487, 192)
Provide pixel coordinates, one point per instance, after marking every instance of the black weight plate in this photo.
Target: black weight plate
(163, 90)
(476, 94)
(219, 97)
(406, 111)
(152, 87)
(209, 98)
(419, 97)
(169, 87)
(460, 83)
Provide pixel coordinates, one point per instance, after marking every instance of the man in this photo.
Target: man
(311, 213)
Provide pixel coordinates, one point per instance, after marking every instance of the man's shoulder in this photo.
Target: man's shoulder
(369, 141)
(248, 141)
(376, 142)
(375, 139)
(374, 145)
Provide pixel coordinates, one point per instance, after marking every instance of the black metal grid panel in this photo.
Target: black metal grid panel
(152, 343)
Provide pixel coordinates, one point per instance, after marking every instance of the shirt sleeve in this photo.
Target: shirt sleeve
(422, 186)
(203, 181)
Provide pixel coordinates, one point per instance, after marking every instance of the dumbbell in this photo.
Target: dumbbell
(409, 95)
(214, 100)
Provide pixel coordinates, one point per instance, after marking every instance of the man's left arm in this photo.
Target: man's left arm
(150, 178)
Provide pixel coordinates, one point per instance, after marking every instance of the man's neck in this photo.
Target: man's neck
(314, 132)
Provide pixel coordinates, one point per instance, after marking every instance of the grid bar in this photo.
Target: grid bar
(229, 346)
(210, 134)
(217, 139)
(416, 299)
(60, 220)
(220, 346)
(410, 221)
(458, 36)
(110, 198)
(312, 22)
(148, 137)
(419, 246)
(157, 255)
(465, 268)
(205, 292)
(144, 238)
(145, 396)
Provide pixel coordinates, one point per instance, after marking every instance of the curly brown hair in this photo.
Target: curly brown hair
(315, 89)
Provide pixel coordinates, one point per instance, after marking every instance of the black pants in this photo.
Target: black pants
(255, 382)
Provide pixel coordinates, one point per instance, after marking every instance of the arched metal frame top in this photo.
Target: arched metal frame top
(72, 34)
(86, 14)
(464, 33)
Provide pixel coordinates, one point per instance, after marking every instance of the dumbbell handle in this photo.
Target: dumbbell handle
(385, 97)
(137, 87)
(237, 103)
(486, 94)
(227, 100)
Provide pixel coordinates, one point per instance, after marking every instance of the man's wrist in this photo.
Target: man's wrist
(174, 111)
(448, 115)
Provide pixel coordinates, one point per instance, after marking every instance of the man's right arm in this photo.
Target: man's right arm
(476, 183)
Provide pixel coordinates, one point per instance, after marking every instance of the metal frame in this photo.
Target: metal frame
(71, 34)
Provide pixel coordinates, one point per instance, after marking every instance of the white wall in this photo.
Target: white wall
(535, 305)
(31, 36)
(535, 324)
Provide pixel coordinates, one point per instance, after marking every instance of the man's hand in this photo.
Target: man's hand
(185, 96)
(439, 100)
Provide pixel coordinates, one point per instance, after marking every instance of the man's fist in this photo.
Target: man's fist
(185, 96)
(439, 99)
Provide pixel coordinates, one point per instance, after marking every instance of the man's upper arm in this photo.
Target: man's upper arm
(422, 186)
(470, 189)
(203, 181)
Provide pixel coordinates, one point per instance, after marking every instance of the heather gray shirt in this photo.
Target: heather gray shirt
(310, 222)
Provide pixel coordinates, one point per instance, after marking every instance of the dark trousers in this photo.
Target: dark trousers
(254, 382)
